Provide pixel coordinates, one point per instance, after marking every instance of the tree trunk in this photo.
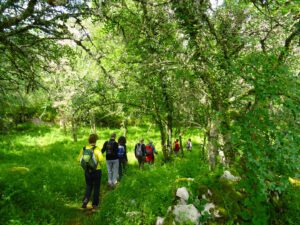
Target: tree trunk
(163, 141)
(74, 130)
(62, 121)
(228, 150)
(93, 123)
(213, 134)
(180, 141)
(203, 145)
(169, 145)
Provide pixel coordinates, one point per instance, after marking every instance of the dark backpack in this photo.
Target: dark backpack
(121, 151)
(149, 150)
(88, 160)
(110, 148)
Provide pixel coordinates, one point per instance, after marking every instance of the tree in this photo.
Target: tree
(30, 32)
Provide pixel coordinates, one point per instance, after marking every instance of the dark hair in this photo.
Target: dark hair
(122, 140)
(93, 138)
(113, 136)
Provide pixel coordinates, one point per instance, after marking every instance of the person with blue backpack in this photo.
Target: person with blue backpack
(112, 160)
(90, 160)
(122, 154)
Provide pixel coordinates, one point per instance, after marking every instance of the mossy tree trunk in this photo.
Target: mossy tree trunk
(213, 142)
(74, 129)
(180, 141)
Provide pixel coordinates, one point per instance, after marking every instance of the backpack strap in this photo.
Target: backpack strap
(93, 148)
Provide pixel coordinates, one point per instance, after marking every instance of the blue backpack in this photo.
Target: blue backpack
(121, 151)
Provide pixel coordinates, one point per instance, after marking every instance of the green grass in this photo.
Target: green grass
(42, 183)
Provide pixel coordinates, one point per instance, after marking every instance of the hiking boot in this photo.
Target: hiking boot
(84, 205)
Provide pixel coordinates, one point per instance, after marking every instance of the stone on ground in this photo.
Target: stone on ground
(160, 221)
(228, 176)
(182, 193)
(186, 213)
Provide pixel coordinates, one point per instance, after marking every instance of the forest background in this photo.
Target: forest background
(225, 73)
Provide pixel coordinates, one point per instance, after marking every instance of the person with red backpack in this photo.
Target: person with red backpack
(176, 147)
(150, 151)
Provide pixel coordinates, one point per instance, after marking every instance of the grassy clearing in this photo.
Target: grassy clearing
(42, 183)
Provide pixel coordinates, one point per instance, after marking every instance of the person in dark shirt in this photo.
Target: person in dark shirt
(112, 160)
(122, 154)
(140, 153)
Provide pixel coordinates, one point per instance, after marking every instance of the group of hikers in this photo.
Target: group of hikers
(116, 160)
(177, 146)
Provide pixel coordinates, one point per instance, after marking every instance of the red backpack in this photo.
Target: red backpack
(177, 147)
(149, 150)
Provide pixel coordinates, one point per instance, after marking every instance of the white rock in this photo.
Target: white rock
(186, 213)
(207, 207)
(216, 214)
(221, 153)
(160, 221)
(209, 192)
(182, 193)
(228, 176)
(181, 201)
(222, 157)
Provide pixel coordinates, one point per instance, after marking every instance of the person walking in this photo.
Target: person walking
(150, 151)
(139, 152)
(189, 145)
(176, 147)
(90, 159)
(122, 154)
(112, 160)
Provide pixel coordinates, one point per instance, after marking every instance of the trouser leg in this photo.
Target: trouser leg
(110, 171)
(97, 180)
(89, 187)
(115, 171)
(120, 168)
